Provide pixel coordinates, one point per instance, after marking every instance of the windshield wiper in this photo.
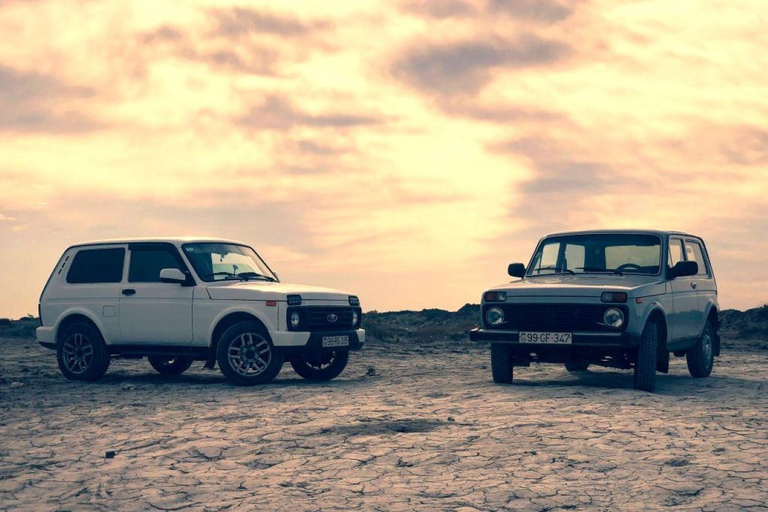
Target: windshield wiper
(255, 275)
(227, 274)
(594, 269)
(557, 270)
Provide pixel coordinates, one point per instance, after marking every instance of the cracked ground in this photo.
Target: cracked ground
(400, 430)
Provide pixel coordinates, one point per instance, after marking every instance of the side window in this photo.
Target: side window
(675, 251)
(146, 264)
(693, 252)
(97, 266)
(547, 257)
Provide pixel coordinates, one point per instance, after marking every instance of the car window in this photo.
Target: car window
(574, 256)
(546, 260)
(97, 266)
(675, 252)
(146, 264)
(693, 252)
(642, 256)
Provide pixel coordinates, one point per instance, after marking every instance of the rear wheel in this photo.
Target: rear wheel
(501, 363)
(82, 353)
(645, 364)
(170, 365)
(246, 355)
(701, 356)
(321, 366)
(576, 367)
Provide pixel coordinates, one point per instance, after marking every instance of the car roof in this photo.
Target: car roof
(176, 240)
(659, 232)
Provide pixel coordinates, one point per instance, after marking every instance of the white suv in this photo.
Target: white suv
(180, 300)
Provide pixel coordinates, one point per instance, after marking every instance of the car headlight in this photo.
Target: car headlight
(613, 318)
(295, 319)
(355, 318)
(494, 317)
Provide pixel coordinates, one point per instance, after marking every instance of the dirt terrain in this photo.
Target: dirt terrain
(402, 429)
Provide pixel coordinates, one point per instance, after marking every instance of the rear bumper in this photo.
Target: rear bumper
(292, 341)
(46, 336)
(586, 339)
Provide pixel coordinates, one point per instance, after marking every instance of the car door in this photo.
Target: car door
(153, 312)
(704, 281)
(685, 302)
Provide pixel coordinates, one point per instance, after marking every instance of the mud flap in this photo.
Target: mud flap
(662, 361)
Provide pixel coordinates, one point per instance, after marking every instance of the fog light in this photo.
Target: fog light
(613, 318)
(295, 319)
(494, 317)
(355, 318)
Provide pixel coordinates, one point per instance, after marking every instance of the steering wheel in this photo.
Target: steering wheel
(628, 266)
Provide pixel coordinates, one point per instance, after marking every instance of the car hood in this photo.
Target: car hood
(263, 290)
(590, 285)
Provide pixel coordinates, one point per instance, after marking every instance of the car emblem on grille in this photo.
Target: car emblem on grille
(332, 318)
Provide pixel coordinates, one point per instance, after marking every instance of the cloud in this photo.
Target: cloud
(5, 218)
(35, 102)
(548, 11)
(439, 8)
(278, 113)
(463, 68)
(239, 21)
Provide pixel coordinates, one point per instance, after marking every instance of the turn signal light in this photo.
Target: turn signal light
(294, 300)
(614, 297)
(495, 296)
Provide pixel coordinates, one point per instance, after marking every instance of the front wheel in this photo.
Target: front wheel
(170, 365)
(645, 364)
(322, 366)
(701, 356)
(247, 356)
(82, 353)
(501, 363)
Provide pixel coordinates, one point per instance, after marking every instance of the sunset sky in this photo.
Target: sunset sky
(407, 151)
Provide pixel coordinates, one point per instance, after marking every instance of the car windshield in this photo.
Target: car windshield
(598, 253)
(219, 262)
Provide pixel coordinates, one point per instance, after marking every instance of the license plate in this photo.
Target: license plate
(551, 338)
(335, 341)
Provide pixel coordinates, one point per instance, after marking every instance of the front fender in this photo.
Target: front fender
(269, 321)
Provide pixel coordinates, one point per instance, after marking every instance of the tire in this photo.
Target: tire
(170, 365)
(246, 355)
(701, 356)
(645, 364)
(81, 353)
(576, 367)
(321, 366)
(501, 364)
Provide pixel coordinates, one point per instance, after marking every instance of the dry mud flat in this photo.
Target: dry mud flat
(428, 431)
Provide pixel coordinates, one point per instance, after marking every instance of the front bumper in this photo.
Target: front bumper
(580, 339)
(314, 340)
(46, 336)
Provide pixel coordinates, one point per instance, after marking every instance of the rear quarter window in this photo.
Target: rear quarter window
(97, 266)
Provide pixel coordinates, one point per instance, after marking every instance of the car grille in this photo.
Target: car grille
(318, 318)
(555, 317)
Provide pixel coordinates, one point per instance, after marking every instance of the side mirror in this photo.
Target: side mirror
(173, 275)
(516, 270)
(684, 269)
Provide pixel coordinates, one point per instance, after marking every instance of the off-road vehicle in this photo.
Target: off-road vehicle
(621, 299)
(180, 300)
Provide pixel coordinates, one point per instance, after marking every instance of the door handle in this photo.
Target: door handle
(693, 285)
(129, 291)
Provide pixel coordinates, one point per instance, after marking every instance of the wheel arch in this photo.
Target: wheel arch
(713, 317)
(221, 325)
(74, 316)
